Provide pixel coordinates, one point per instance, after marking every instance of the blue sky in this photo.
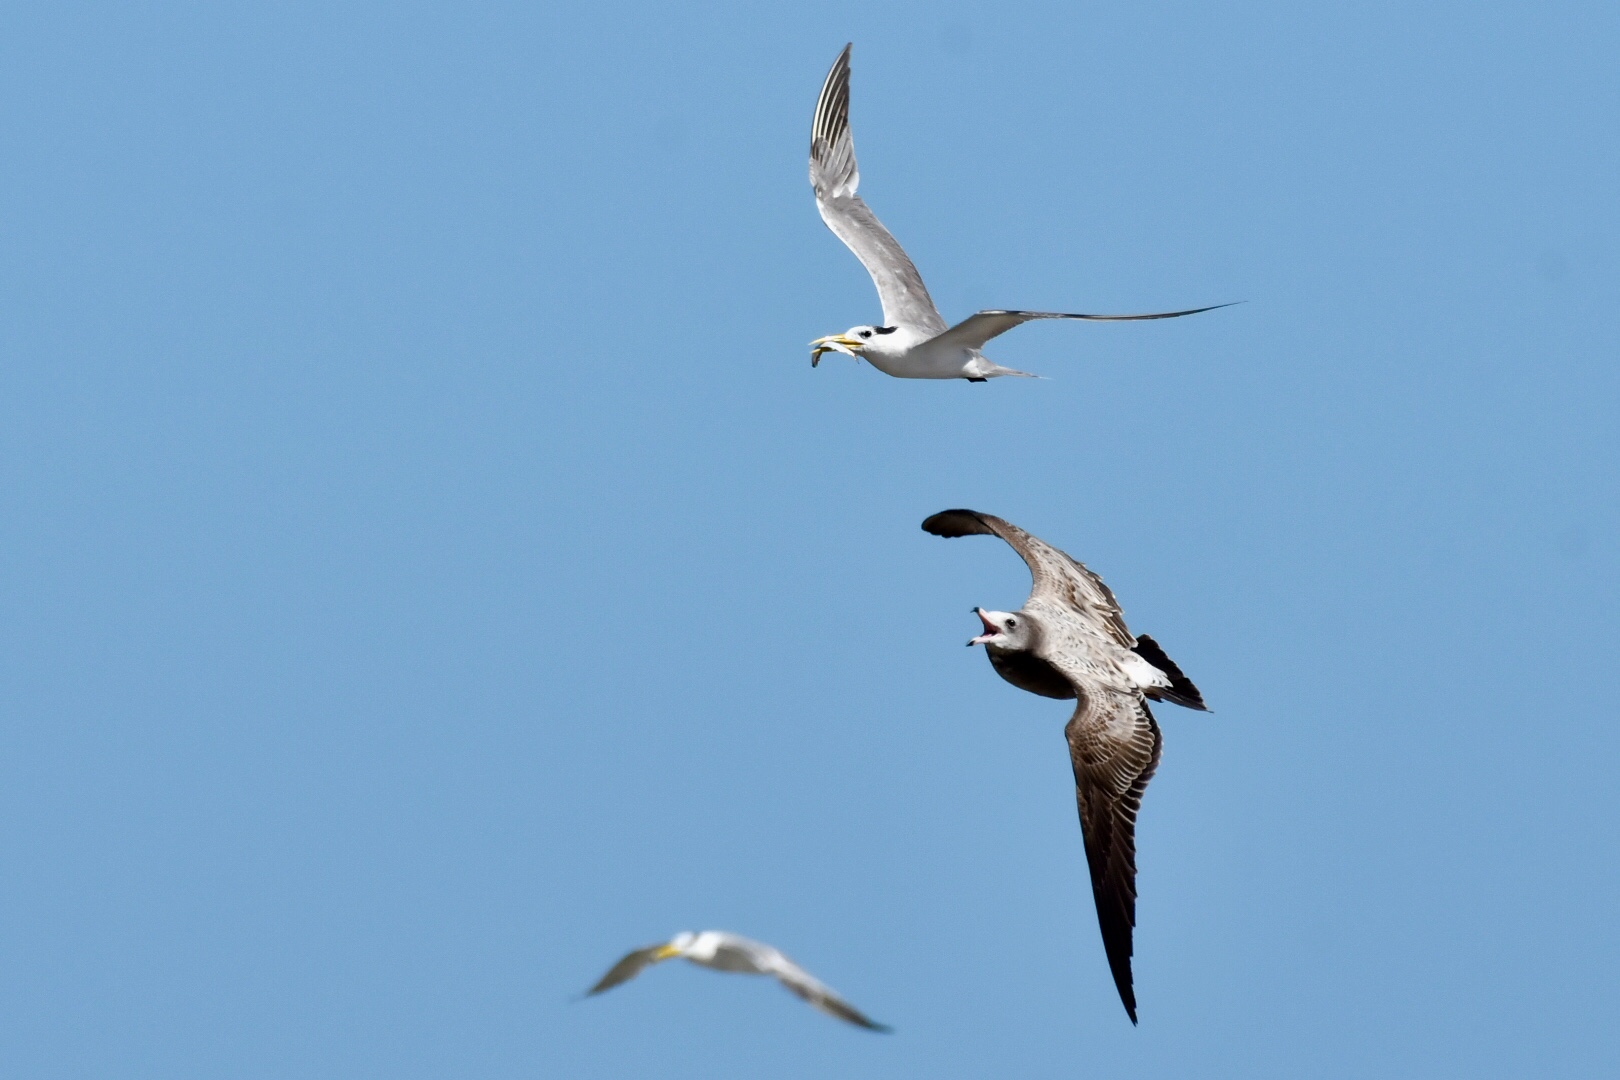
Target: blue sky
(432, 566)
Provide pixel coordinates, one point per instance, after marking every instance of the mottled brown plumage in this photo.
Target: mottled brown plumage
(1070, 641)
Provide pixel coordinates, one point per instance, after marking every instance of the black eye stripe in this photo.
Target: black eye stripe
(884, 329)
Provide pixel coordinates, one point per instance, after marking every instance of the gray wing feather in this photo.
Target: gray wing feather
(626, 969)
(1114, 746)
(1058, 579)
(835, 175)
(820, 995)
(973, 331)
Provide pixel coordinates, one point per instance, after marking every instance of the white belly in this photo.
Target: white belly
(923, 362)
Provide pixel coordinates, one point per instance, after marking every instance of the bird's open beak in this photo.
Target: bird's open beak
(990, 629)
(833, 343)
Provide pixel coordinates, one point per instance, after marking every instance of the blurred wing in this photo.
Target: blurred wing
(625, 970)
(820, 995)
(835, 176)
(1058, 579)
(1114, 747)
(973, 331)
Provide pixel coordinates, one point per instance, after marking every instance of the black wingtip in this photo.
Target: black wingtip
(1120, 968)
(1127, 993)
(954, 523)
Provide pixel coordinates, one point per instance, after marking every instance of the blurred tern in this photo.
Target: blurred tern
(914, 342)
(724, 951)
(1069, 641)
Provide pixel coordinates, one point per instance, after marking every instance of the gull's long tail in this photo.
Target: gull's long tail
(1181, 690)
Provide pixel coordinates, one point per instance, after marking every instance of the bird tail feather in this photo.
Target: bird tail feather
(1181, 690)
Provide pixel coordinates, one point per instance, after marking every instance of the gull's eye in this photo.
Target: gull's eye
(1011, 623)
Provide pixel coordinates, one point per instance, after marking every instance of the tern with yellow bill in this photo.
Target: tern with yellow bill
(725, 951)
(914, 342)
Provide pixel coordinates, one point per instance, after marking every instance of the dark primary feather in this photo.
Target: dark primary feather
(954, 523)
(1110, 776)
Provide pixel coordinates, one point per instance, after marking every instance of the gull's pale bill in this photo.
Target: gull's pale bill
(725, 951)
(914, 341)
(1069, 641)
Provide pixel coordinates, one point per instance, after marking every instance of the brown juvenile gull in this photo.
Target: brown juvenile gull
(914, 342)
(725, 951)
(1069, 640)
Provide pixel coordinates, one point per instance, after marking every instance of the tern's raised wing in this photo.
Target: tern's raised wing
(973, 331)
(626, 969)
(835, 176)
(1058, 579)
(818, 994)
(1114, 747)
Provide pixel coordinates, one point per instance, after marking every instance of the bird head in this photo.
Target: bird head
(676, 946)
(857, 341)
(1003, 630)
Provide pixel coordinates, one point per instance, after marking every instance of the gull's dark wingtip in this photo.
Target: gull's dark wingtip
(953, 523)
(1125, 985)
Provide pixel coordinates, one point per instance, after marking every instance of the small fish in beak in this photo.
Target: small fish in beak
(839, 343)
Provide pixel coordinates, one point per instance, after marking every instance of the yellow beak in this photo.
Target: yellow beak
(665, 952)
(841, 343)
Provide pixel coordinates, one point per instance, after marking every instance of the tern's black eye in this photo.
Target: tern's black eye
(866, 333)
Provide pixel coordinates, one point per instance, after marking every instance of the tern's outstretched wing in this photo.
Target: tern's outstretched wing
(818, 994)
(835, 176)
(973, 331)
(1058, 579)
(1114, 747)
(626, 969)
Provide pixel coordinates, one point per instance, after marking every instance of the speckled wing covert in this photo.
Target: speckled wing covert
(835, 176)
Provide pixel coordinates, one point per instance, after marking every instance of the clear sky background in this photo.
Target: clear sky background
(431, 566)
